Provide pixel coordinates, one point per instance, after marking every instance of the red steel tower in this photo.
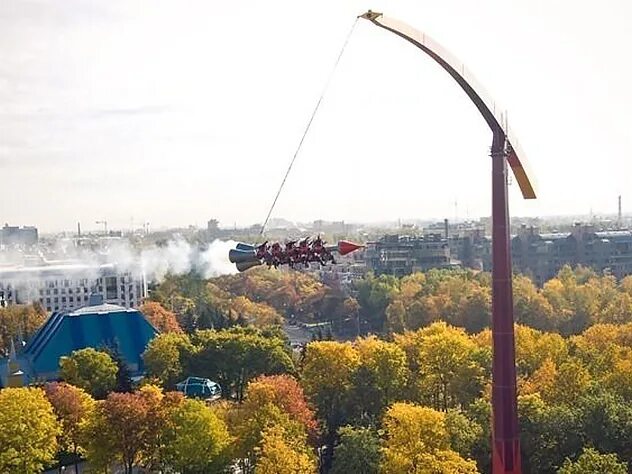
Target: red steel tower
(505, 433)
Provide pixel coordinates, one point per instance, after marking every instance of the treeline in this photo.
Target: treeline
(417, 403)
(568, 304)
(420, 402)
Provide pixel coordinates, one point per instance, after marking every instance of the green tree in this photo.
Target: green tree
(374, 296)
(28, 438)
(358, 451)
(165, 356)
(549, 434)
(196, 440)
(89, 369)
(73, 407)
(235, 356)
(592, 461)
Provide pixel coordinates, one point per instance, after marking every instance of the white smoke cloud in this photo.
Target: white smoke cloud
(179, 257)
(176, 257)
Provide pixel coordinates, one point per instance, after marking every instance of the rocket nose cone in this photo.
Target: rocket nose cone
(345, 247)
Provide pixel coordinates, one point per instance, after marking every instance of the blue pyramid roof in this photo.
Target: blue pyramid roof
(98, 326)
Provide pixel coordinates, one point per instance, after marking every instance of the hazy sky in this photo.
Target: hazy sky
(174, 112)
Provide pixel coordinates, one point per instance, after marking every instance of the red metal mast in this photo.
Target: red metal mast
(505, 433)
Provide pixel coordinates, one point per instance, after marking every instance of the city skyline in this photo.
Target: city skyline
(174, 116)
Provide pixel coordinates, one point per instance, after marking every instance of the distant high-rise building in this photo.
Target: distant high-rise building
(67, 286)
(14, 236)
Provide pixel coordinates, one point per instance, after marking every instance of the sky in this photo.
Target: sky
(175, 112)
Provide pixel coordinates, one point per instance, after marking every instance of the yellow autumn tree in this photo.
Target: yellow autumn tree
(417, 442)
(28, 438)
(447, 366)
(282, 454)
(382, 375)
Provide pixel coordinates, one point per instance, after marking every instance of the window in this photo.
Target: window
(47, 300)
(63, 299)
(48, 292)
(71, 299)
(55, 291)
(110, 288)
(56, 300)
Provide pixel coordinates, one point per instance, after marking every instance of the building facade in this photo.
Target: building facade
(534, 253)
(66, 286)
(14, 236)
(400, 255)
(542, 255)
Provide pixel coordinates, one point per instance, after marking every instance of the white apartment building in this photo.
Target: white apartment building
(66, 286)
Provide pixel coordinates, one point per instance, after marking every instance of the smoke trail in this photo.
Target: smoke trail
(176, 257)
(179, 257)
(215, 259)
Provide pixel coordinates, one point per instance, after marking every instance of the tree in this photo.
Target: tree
(89, 369)
(235, 356)
(128, 428)
(531, 307)
(165, 356)
(249, 423)
(549, 433)
(28, 438)
(282, 454)
(116, 432)
(448, 367)
(161, 318)
(592, 461)
(381, 377)
(328, 369)
(374, 296)
(417, 441)
(123, 374)
(258, 314)
(465, 434)
(358, 451)
(18, 323)
(196, 440)
(284, 392)
(73, 407)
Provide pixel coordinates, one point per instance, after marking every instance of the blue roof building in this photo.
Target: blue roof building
(97, 325)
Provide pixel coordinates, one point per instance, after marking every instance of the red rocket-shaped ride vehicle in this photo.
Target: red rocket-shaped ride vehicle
(293, 253)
